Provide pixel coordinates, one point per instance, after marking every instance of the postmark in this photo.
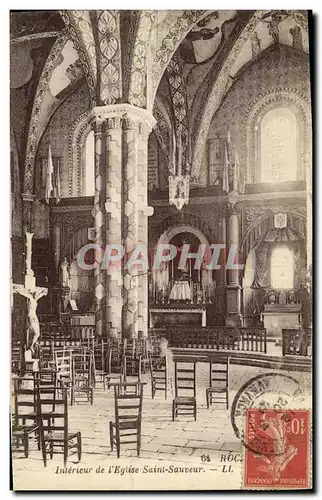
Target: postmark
(281, 438)
(271, 390)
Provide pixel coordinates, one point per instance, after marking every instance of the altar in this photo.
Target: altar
(164, 315)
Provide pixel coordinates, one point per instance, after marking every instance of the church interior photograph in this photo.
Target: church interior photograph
(161, 227)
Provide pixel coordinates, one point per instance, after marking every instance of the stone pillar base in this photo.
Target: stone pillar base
(233, 318)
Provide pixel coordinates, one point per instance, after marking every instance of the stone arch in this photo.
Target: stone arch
(265, 102)
(255, 233)
(172, 231)
(185, 218)
(77, 137)
(171, 40)
(35, 120)
(218, 90)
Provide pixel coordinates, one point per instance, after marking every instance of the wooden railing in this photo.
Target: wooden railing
(216, 337)
(296, 342)
(60, 330)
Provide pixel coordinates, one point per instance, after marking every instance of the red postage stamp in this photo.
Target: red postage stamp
(277, 449)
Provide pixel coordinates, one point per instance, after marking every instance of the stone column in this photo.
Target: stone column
(99, 223)
(144, 212)
(137, 126)
(233, 288)
(130, 229)
(126, 137)
(113, 207)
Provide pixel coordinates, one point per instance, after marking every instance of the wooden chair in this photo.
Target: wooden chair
(184, 402)
(128, 415)
(131, 368)
(101, 363)
(53, 423)
(218, 390)
(64, 368)
(159, 374)
(25, 421)
(115, 357)
(82, 376)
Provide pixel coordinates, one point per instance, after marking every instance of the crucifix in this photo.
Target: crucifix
(32, 293)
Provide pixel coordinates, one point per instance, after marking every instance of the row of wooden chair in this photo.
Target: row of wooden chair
(41, 414)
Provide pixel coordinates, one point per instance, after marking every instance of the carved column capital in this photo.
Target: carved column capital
(142, 117)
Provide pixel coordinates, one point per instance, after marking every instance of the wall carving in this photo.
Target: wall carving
(262, 104)
(34, 127)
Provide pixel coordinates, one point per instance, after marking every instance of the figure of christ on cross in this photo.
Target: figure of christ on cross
(33, 329)
(32, 293)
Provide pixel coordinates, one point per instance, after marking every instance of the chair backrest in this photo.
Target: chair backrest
(128, 398)
(158, 366)
(219, 371)
(101, 355)
(63, 364)
(24, 398)
(52, 406)
(115, 355)
(45, 378)
(82, 365)
(131, 367)
(185, 378)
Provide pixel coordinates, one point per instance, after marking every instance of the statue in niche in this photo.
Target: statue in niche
(282, 298)
(297, 37)
(65, 273)
(256, 44)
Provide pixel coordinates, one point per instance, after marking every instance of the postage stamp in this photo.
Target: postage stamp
(277, 449)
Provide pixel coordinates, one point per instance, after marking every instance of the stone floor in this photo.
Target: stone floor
(203, 444)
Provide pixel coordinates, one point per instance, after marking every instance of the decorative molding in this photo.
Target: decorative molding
(178, 91)
(138, 71)
(80, 30)
(102, 113)
(77, 137)
(34, 127)
(183, 24)
(108, 33)
(241, 198)
(179, 219)
(218, 90)
(262, 104)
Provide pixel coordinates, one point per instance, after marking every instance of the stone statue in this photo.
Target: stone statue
(297, 38)
(65, 273)
(256, 44)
